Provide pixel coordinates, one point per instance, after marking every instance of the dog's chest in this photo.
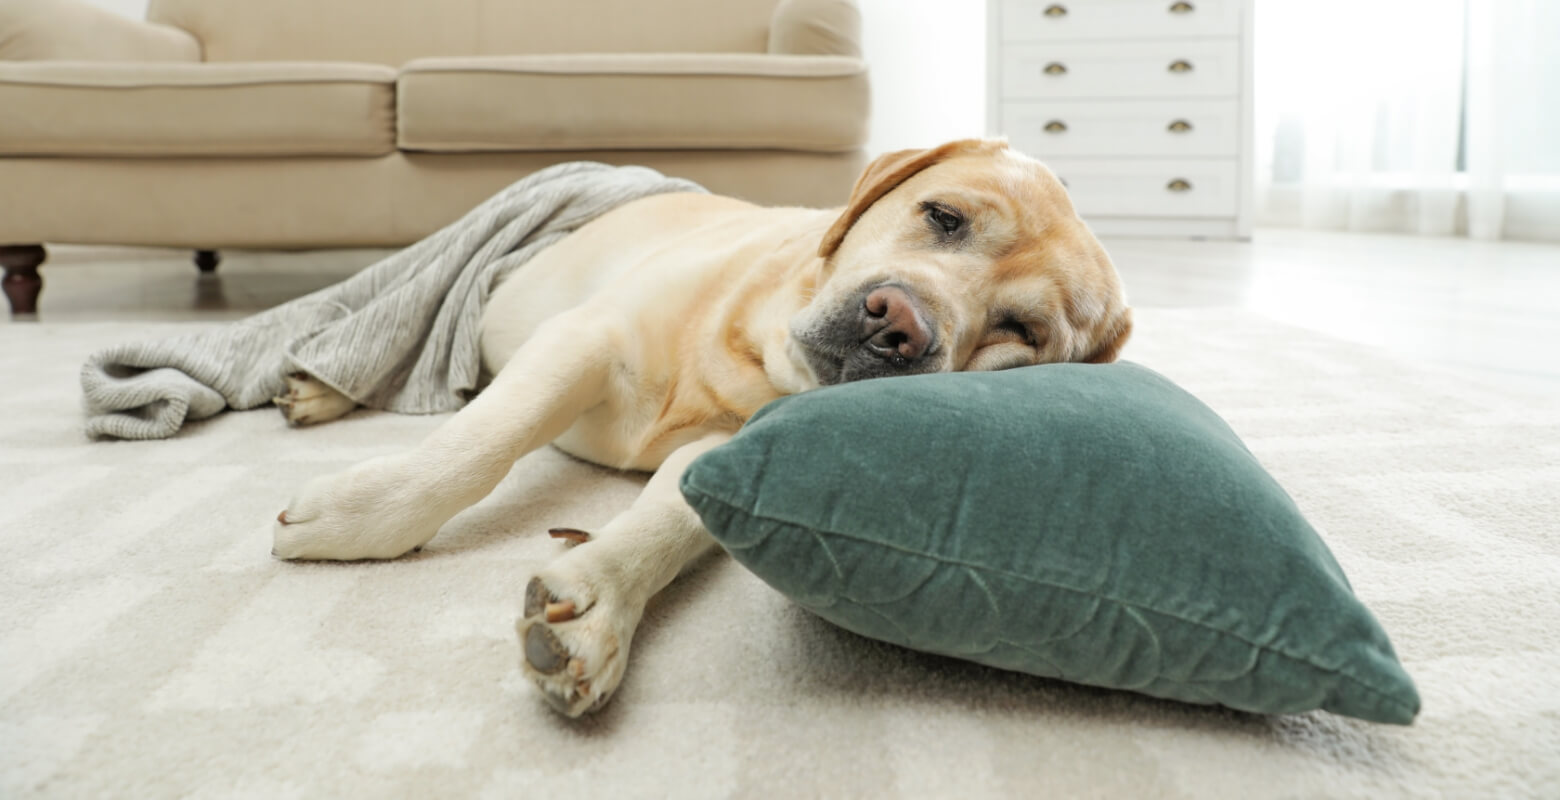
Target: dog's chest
(630, 429)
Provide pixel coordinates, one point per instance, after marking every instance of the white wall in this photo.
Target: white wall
(928, 62)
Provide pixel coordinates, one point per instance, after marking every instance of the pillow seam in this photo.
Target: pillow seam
(1382, 694)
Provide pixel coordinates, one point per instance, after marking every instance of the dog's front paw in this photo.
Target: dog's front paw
(376, 509)
(309, 402)
(574, 641)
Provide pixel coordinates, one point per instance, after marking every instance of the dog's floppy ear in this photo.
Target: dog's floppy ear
(1115, 335)
(887, 171)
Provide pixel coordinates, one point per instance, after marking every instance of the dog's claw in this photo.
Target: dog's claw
(559, 703)
(572, 535)
(560, 612)
(282, 517)
(543, 651)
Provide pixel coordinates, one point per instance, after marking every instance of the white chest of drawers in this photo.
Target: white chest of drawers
(1142, 107)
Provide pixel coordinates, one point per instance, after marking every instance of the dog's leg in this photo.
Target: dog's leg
(385, 507)
(581, 610)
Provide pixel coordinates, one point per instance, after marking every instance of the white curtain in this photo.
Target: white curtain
(1439, 117)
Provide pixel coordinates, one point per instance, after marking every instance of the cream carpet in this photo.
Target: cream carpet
(150, 647)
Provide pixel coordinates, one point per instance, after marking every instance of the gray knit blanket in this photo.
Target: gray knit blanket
(402, 335)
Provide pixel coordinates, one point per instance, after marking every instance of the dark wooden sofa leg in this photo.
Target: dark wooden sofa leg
(207, 260)
(22, 282)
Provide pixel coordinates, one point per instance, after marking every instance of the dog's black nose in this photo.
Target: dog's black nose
(894, 325)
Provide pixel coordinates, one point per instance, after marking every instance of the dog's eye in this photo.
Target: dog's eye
(945, 218)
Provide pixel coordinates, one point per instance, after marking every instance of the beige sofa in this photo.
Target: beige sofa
(339, 123)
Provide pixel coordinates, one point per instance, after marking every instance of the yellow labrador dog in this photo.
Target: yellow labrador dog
(651, 334)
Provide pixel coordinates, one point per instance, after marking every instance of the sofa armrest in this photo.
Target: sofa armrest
(815, 28)
(38, 30)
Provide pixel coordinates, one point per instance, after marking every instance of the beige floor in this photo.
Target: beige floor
(1489, 307)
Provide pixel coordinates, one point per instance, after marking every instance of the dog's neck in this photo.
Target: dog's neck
(797, 272)
(783, 362)
(779, 284)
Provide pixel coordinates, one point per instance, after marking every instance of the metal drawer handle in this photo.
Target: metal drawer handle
(1057, 10)
(1179, 185)
(1180, 126)
(1180, 66)
(1056, 126)
(1181, 8)
(1056, 68)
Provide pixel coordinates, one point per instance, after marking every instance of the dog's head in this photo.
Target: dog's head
(968, 256)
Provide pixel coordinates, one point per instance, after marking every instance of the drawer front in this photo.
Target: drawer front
(1060, 20)
(1123, 128)
(1144, 188)
(1194, 68)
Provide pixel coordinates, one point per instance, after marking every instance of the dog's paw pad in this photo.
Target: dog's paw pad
(545, 653)
(537, 596)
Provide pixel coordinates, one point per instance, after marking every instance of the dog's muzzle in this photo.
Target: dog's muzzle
(883, 330)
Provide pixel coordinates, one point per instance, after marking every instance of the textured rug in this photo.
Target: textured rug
(150, 647)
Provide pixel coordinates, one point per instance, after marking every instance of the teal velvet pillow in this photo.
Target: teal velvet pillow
(1093, 523)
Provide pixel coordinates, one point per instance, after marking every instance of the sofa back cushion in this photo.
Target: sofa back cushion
(396, 31)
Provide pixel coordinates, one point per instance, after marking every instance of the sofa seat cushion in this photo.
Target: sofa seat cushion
(639, 100)
(73, 108)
